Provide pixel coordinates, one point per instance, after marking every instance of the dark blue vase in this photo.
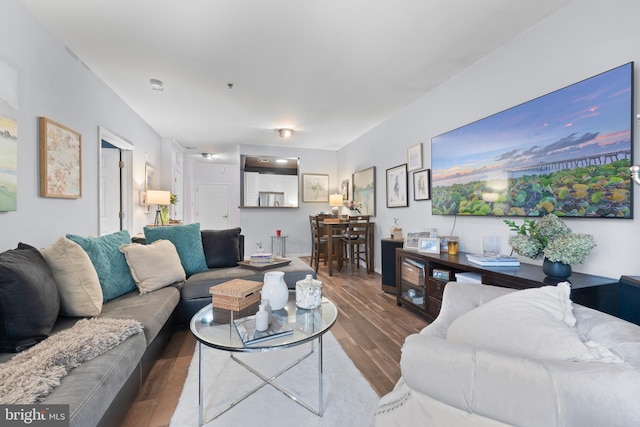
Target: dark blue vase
(556, 270)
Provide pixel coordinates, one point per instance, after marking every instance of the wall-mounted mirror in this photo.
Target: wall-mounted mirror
(268, 182)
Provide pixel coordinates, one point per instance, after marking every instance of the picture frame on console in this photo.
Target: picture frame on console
(430, 245)
(412, 241)
(397, 187)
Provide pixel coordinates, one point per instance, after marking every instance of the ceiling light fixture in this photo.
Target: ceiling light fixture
(156, 85)
(207, 156)
(285, 132)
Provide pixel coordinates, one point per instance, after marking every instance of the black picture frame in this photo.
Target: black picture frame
(422, 185)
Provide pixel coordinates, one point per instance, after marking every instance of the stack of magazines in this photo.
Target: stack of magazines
(246, 328)
(493, 261)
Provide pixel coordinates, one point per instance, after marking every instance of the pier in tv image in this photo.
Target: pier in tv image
(567, 152)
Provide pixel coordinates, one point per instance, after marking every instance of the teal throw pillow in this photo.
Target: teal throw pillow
(110, 264)
(188, 243)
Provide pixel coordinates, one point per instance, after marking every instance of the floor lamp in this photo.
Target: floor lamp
(159, 198)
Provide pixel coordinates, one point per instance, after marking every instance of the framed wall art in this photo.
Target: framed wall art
(397, 187)
(422, 185)
(414, 157)
(9, 161)
(60, 160)
(344, 189)
(149, 174)
(315, 188)
(364, 190)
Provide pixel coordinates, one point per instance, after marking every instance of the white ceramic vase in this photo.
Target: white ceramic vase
(275, 289)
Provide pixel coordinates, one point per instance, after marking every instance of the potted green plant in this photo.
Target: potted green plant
(550, 238)
(164, 210)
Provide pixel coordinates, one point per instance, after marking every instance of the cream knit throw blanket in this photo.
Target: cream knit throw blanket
(31, 375)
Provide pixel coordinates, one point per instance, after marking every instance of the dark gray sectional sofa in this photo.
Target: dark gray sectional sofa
(101, 390)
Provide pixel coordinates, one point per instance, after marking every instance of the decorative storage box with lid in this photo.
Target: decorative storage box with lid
(237, 298)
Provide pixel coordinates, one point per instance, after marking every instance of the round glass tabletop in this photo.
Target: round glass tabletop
(306, 324)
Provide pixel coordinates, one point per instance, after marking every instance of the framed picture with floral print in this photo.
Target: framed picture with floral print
(60, 160)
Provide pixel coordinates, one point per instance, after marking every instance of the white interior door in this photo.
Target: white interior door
(212, 206)
(115, 191)
(109, 191)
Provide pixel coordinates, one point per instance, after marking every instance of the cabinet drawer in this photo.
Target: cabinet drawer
(435, 288)
(434, 307)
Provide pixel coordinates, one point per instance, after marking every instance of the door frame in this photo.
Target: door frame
(126, 175)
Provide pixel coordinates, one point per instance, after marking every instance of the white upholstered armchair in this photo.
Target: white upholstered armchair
(517, 360)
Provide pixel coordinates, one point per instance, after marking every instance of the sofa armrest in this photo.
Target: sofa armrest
(459, 298)
(521, 391)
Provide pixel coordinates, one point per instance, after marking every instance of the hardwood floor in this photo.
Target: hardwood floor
(371, 329)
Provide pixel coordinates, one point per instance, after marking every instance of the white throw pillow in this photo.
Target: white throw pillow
(534, 323)
(76, 279)
(153, 266)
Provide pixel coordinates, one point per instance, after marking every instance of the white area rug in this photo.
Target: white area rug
(349, 400)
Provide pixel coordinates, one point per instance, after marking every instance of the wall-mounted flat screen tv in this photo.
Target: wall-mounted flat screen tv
(567, 152)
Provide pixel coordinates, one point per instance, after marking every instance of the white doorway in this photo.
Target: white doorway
(110, 220)
(212, 206)
(115, 183)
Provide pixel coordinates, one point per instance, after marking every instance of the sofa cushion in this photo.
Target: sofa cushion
(188, 243)
(77, 279)
(153, 309)
(29, 301)
(534, 323)
(221, 247)
(109, 262)
(153, 266)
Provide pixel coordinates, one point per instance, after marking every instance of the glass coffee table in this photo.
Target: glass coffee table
(307, 325)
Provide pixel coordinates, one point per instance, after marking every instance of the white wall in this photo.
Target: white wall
(583, 39)
(55, 84)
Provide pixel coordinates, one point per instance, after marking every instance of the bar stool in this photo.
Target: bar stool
(356, 241)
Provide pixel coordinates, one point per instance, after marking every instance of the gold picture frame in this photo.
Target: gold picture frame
(60, 160)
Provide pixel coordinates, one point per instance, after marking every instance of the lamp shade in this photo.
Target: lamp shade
(158, 197)
(335, 200)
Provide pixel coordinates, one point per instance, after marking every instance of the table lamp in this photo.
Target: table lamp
(159, 198)
(335, 201)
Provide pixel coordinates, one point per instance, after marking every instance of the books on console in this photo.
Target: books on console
(488, 261)
(246, 328)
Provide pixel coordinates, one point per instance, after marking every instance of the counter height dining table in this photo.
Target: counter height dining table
(333, 232)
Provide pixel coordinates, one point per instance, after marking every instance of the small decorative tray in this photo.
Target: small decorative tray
(277, 262)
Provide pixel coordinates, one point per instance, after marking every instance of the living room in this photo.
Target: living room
(579, 40)
(557, 52)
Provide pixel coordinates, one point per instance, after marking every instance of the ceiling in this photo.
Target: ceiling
(329, 69)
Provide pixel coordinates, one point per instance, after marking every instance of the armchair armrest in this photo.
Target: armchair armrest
(459, 298)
